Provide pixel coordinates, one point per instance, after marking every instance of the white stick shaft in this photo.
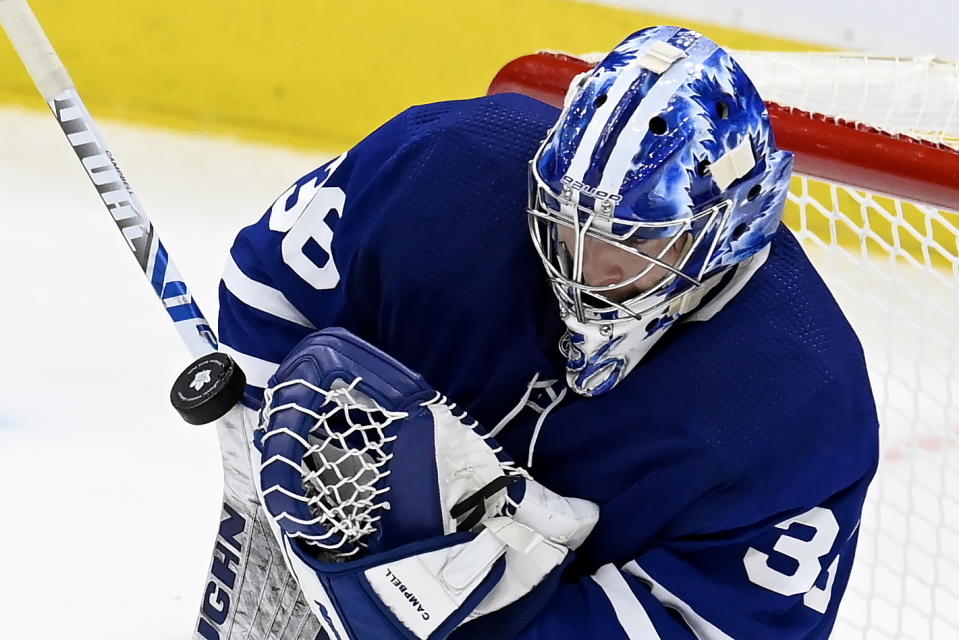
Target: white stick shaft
(42, 62)
(57, 88)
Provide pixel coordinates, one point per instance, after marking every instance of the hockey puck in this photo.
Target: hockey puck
(208, 388)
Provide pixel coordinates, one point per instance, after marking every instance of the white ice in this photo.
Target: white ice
(109, 503)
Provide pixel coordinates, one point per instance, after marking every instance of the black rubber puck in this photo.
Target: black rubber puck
(208, 388)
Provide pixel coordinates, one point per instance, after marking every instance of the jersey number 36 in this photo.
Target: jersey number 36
(302, 213)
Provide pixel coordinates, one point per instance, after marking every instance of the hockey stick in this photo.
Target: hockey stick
(249, 592)
(210, 386)
(58, 91)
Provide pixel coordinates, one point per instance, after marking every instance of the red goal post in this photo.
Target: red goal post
(874, 203)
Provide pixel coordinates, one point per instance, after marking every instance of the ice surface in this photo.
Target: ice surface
(109, 502)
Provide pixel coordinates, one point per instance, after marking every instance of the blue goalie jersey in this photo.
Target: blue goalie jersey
(730, 466)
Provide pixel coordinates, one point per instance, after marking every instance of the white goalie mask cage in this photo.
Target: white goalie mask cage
(560, 227)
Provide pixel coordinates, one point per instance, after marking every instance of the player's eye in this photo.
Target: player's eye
(641, 244)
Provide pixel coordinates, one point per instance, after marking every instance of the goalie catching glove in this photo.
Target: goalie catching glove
(398, 516)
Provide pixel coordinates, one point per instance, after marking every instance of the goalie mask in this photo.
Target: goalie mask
(660, 176)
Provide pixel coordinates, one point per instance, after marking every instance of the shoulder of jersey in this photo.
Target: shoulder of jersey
(502, 112)
(503, 123)
(455, 149)
(797, 394)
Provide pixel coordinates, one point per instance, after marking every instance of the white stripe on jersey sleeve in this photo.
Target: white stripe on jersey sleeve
(257, 371)
(629, 611)
(702, 628)
(260, 296)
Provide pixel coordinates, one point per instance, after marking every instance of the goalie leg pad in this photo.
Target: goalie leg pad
(250, 592)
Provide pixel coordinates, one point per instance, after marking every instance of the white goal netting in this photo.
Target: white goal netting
(894, 267)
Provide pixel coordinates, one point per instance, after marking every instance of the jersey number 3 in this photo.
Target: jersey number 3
(805, 552)
(302, 213)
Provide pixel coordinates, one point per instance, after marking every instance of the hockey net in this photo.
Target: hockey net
(874, 204)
